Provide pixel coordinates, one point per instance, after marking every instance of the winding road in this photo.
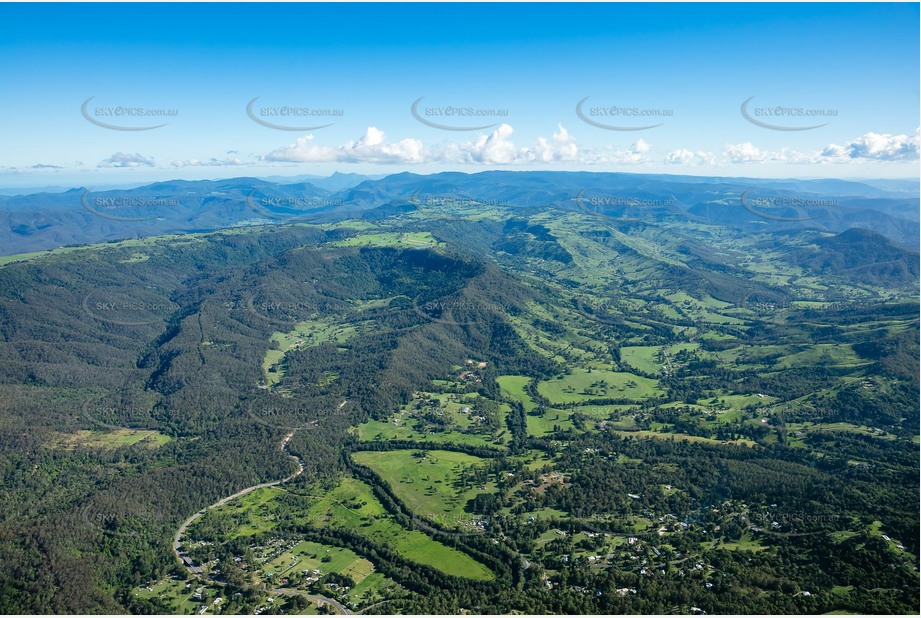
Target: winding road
(197, 571)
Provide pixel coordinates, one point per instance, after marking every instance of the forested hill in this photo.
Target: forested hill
(41, 221)
(488, 403)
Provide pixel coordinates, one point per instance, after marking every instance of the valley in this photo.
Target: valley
(496, 409)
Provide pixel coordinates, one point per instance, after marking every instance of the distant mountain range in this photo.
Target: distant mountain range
(48, 219)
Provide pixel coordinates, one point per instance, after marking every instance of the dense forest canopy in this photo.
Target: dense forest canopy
(473, 408)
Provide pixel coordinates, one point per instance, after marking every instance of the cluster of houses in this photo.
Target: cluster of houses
(470, 376)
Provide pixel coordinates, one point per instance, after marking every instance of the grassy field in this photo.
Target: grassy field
(429, 485)
(387, 430)
(305, 335)
(513, 388)
(326, 558)
(177, 593)
(746, 543)
(585, 384)
(405, 240)
(543, 425)
(821, 354)
(443, 418)
(679, 437)
(247, 515)
(840, 427)
(352, 506)
(643, 358)
(117, 438)
(153, 241)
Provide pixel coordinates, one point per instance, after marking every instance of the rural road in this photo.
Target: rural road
(342, 609)
(177, 540)
(197, 571)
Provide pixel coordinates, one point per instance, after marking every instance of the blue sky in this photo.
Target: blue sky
(520, 69)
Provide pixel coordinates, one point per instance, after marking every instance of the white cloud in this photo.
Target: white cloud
(303, 150)
(561, 148)
(641, 146)
(868, 147)
(373, 147)
(124, 159)
(876, 147)
(496, 148)
(745, 152)
(499, 148)
(683, 156)
(637, 154)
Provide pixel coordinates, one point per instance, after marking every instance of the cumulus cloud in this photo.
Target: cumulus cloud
(868, 147)
(876, 147)
(683, 156)
(640, 146)
(373, 147)
(638, 153)
(498, 147)
(561, 148)
(303, 150)
(124, 159)
(495, 148)
(745, 152)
